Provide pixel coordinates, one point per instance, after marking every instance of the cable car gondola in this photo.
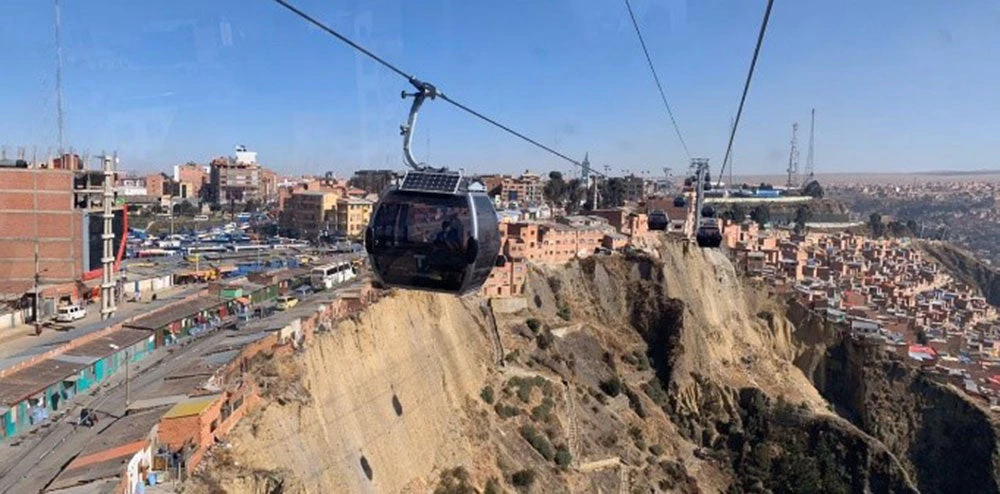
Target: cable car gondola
(708, 234)
(437, 230)
(657, 220)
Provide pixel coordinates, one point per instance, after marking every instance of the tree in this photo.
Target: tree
(913, 228)
(185, 208)
(576, 193)
(761, 214)
(922, 336)
(898, 229)
(813, 189)
(875, 225)
(252, 205)
(736, 213)
(802, 216)
(612, 192)
(555, 189)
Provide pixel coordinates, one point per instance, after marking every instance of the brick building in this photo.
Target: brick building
(161, 185)
(51, 209)
(307, 213)
(191, 177)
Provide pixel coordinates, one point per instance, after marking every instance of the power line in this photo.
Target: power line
(419, 84)
(656, 78)
(746, 86)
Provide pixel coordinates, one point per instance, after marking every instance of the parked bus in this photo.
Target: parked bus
(194, 249)
(249, 247)
(325, 277)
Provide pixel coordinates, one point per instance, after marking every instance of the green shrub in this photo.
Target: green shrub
(492, 487)
(656, 449)
(487, 394)
(506, 411)
(564, 313)
(642, 361)
(524, 393)
(542, 412)
(612, 387)
(534, 325)
(545, 339)
(563, 457)
(555, 284)
(635, 432)
(455, 481)
(537, 441)
(634, 402)
(655, 392)
(523, 478)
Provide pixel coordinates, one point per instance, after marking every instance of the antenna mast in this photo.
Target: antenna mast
(809, 156)
(793, 158)
(59, 62)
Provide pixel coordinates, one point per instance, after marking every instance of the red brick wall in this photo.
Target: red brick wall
(154, 185)
(50, 218)
(194, 175)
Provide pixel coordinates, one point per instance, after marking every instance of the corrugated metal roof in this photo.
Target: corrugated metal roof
(175, 313)
(194, 406)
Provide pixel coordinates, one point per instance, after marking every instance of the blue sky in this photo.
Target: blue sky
(898, 85)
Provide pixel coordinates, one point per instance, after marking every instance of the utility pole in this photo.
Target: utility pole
(700, 166)
(128, 380)
(38, 276)
(38, 272)
(108, 237)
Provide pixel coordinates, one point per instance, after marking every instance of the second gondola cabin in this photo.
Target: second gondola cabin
(437, 231)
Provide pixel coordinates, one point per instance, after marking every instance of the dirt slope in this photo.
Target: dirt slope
(652, 373)
(388, 387)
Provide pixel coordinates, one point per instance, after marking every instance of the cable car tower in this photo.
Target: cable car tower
(706, 227)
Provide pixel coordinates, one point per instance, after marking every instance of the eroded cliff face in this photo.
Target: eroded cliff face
(384, 401)
(963, 265)
(657, 372)
(724, 355)
(934, 429)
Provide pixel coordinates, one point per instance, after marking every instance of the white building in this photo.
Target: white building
(245, 157)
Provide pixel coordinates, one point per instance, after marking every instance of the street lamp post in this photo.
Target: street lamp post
(128, 400)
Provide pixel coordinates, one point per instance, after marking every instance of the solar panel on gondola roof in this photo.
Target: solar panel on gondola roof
(431, 182)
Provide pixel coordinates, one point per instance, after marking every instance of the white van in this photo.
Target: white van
(201, 217)
(71, 313)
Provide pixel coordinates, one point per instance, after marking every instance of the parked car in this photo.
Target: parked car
(201, 217)
(71, 313)
(286, 302)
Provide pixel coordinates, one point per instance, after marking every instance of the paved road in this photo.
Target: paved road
(18, 347)
(39, 457)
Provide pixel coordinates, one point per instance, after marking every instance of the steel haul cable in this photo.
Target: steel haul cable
(417, 82)
(656, 79)
(746, 89)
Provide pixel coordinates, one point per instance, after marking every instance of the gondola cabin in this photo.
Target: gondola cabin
(657, 220)
(437, 231)
(708, 234)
